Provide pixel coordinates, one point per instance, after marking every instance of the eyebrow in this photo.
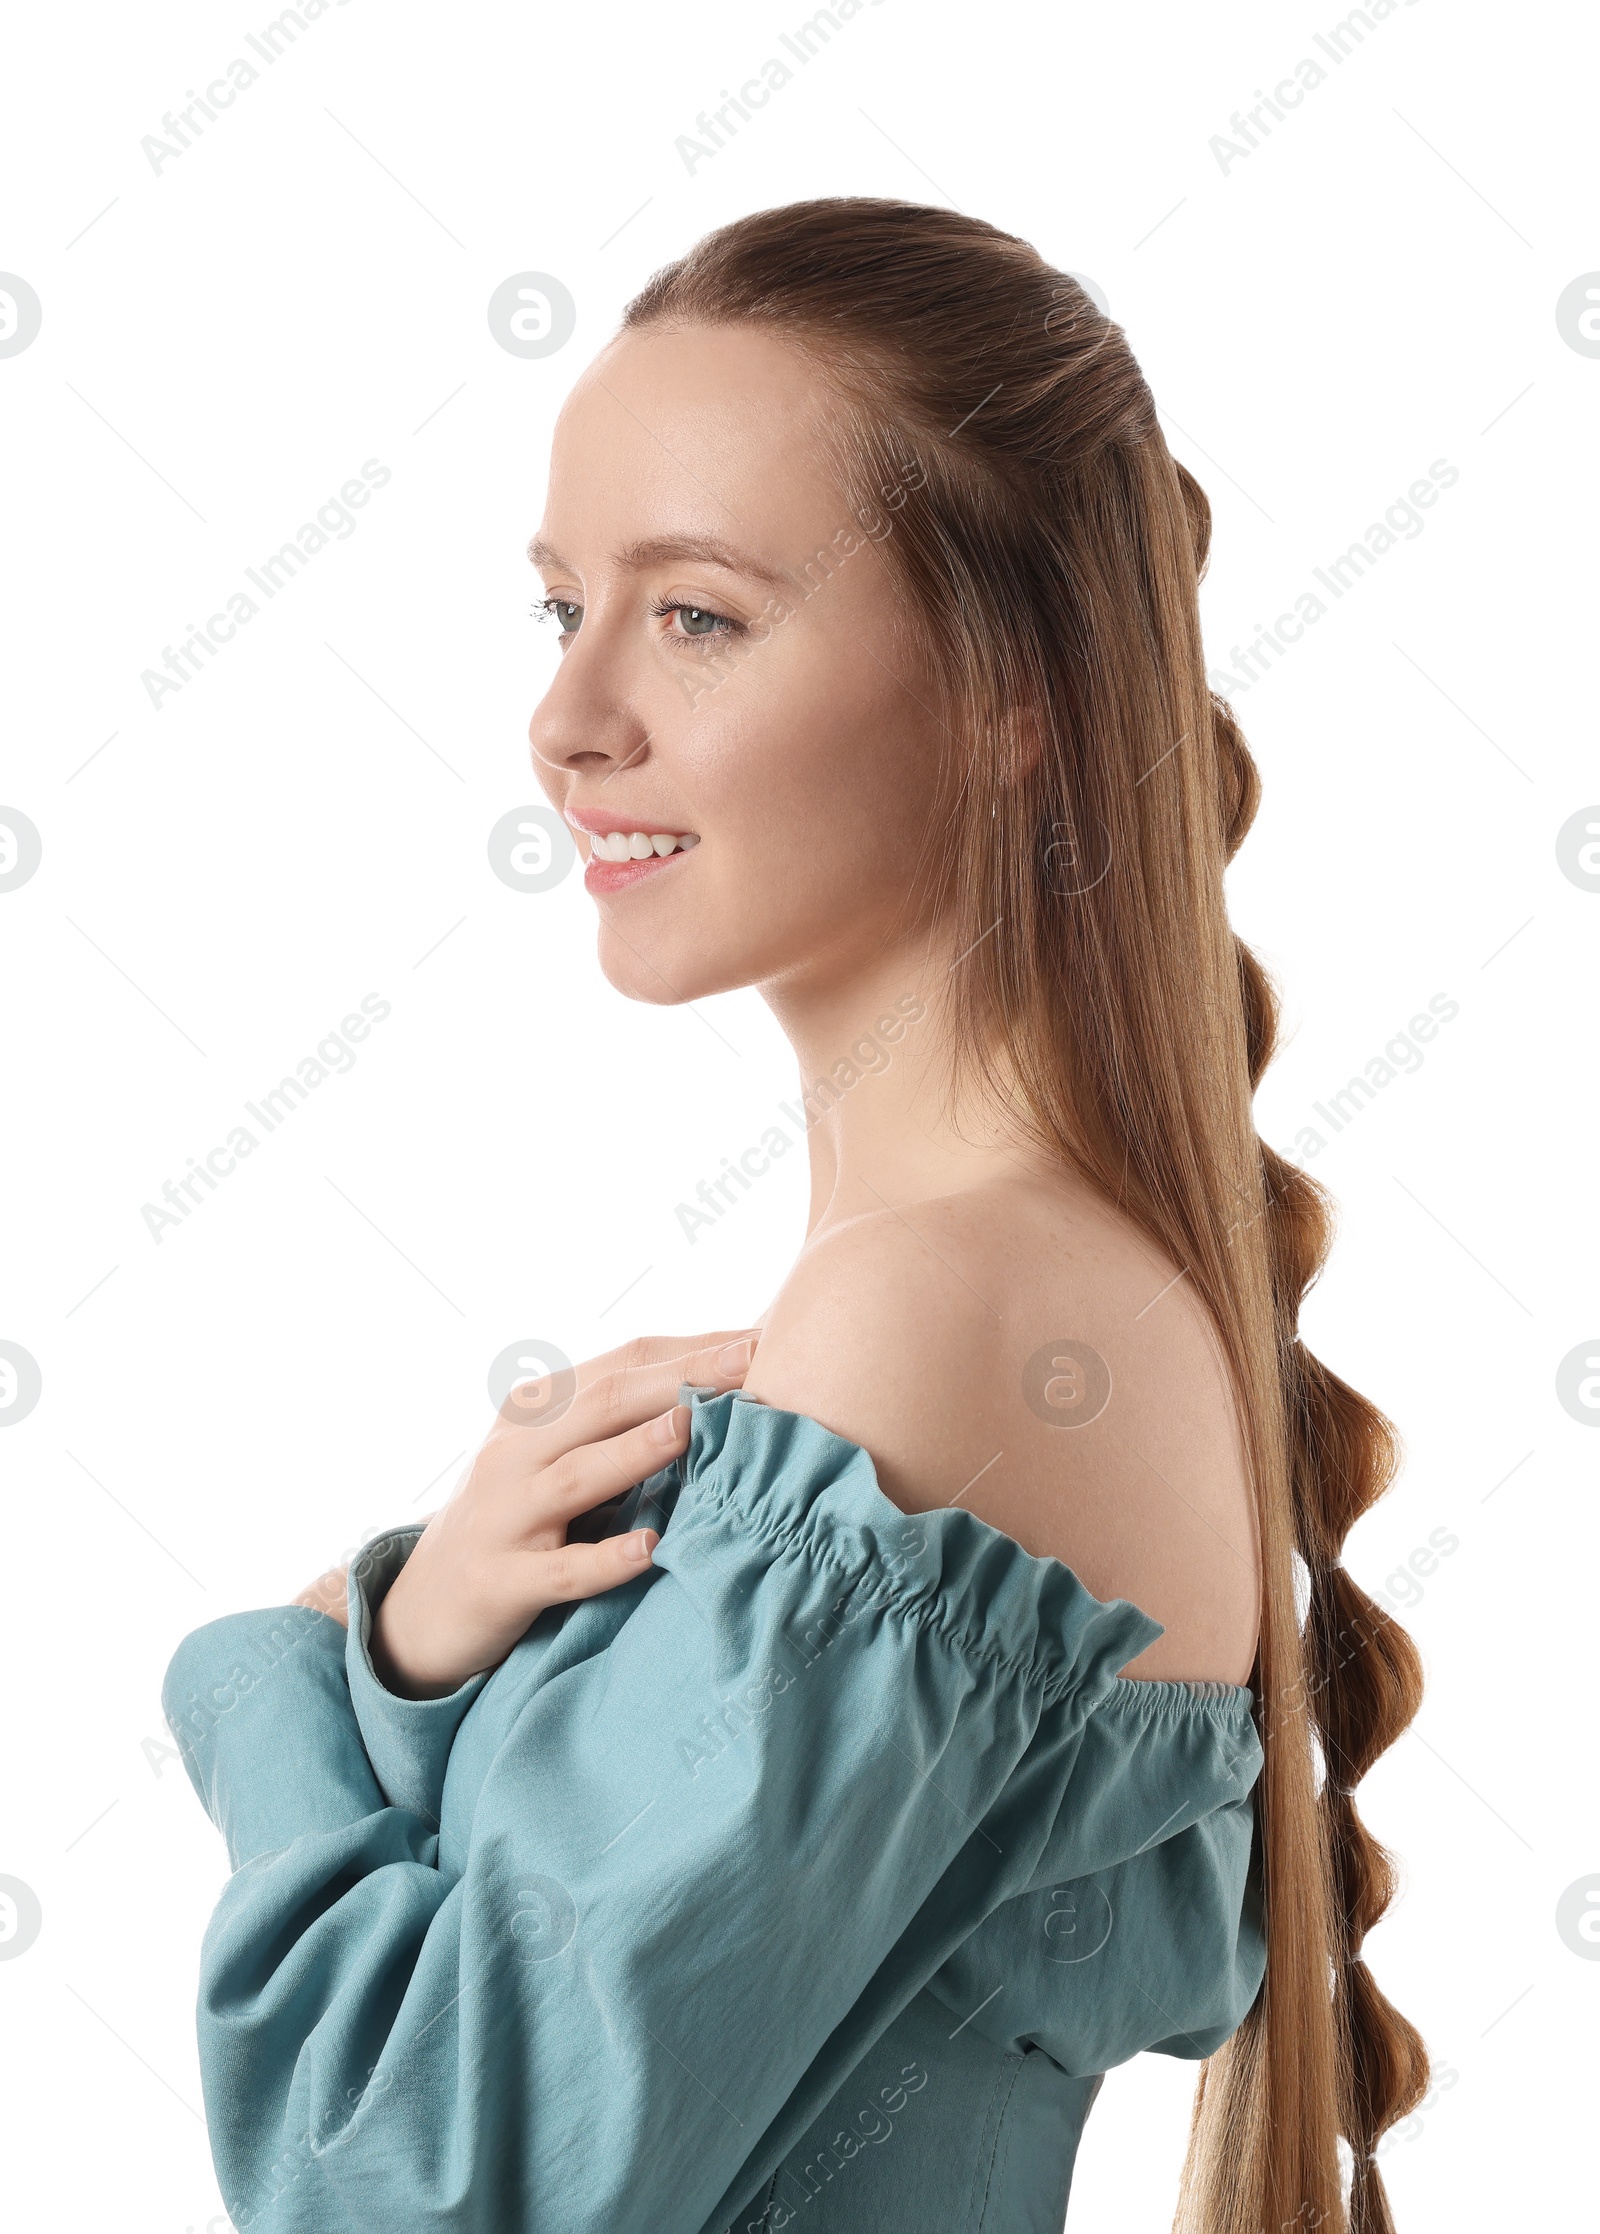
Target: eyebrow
(653, 550)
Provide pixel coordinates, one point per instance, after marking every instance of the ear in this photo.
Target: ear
(1022, 743)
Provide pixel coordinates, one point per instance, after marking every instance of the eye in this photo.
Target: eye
(698, 620)
(567, 615)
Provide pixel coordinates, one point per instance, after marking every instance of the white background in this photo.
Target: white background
(228, 1409)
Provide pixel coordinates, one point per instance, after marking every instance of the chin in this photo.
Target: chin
(657, 973)
(635, 981)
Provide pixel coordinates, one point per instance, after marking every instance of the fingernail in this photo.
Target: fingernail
(668, 1427)
(640, 1545)
(736, 1357)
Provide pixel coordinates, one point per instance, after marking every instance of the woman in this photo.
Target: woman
(797, 1763)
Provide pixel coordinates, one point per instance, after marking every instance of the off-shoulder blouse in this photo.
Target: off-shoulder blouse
(812, 1880)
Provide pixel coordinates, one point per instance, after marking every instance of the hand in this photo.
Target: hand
(328, 1594)
(492, 1559)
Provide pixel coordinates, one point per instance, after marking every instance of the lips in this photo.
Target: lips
(617, 876)
(623, 851)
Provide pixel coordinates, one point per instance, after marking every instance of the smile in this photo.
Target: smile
(638, 845)
(620, 857)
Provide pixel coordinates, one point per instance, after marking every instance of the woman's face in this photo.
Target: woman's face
(734, 671)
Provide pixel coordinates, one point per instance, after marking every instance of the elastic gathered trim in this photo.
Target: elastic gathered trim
(1173, 1692)
(920, 1608)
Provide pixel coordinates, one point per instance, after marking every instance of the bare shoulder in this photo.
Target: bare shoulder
(1024, 1351)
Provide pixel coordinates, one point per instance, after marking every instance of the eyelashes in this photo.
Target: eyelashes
(723, 625)
(565, 610)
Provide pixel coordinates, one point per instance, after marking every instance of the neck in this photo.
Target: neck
(875, 1051)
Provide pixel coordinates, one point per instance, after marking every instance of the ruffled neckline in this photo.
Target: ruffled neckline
(804, 1486)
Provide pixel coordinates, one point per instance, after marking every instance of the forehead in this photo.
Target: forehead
(721, 431)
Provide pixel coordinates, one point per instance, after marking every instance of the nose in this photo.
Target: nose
(582, 726)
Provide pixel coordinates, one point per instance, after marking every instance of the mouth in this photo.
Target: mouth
(622, 854)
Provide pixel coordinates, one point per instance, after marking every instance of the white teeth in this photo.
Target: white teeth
(638, 845)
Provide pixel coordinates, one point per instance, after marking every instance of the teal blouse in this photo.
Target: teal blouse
(811, 1880)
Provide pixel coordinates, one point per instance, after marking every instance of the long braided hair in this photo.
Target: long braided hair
(998, 437)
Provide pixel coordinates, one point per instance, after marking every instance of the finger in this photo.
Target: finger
(542, 1401)
(590, 1475)
(628, 1395)
(654, 1349)
(557, 1578)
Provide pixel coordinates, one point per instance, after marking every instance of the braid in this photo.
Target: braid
(1363, 1678)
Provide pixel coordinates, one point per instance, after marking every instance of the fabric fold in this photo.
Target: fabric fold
(233, 1691)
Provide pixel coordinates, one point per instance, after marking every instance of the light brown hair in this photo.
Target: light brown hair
(1051, 549)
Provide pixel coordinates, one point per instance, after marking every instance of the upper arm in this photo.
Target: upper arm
(931, 1339)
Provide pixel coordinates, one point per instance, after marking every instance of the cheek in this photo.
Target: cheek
(808, 774)
(814, 757)
(812, 842)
